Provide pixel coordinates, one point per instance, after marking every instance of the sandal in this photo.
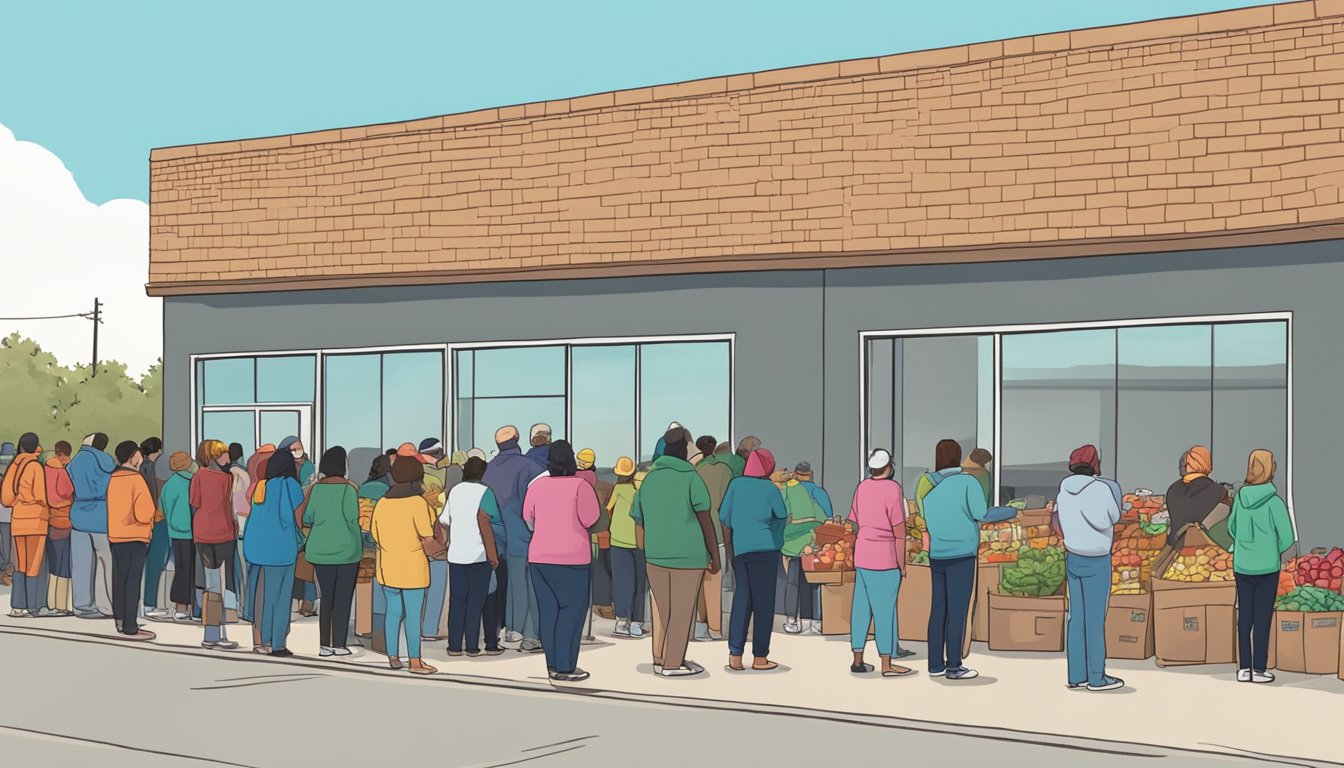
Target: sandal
(421, 669)
(735, 664)
(763, 665)
(897, 671)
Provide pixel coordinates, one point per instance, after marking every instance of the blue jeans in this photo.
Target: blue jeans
(156, 562)
(434, 597)
(277, 587)
(753, 603)
(953, 588)
(1089, 592)
(629, 583)
(562, 605)
(469, 585)
(403, 605)
(875, 594)
(522, 599)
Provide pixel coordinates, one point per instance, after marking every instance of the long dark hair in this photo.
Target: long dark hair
(28, 443)
(281, 465)
(560, 460)
(946, 455)
(333, 462)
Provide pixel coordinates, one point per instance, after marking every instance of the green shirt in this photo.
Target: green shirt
(176, 509)
(717, 475)
(666, 507)
(737, 463)
(622, 525)
(800, 505)
(333, 515)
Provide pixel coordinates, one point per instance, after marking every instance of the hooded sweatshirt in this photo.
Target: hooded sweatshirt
(1261, 530)
(666, 506)
(176, 507)
(753, 508)
(60, 495)
(508, 475)
(954, 508)
(26, 491)
(1088, 509)
(130, 508)
(90, 471)
(1191, 502)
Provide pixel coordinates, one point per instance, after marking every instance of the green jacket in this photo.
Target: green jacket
(717, 474)
(738, 463)
(800, 505)
(666, 506)
(1261, 530)
(333, 515)
(176, 509)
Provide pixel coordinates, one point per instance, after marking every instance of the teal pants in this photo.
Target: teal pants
(156, 562)
(875, 594)
(403, 605)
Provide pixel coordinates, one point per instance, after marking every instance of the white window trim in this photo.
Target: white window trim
(450, 413)
(999, 331)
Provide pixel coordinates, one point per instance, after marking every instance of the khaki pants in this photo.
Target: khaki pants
(709, 607)
(675, 591)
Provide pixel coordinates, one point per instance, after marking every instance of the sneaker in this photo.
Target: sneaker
(261, 649)
(937, 673)
(622, 629)
(1108, 683)
(157, 614)
(814, 628)
(341, 652)
(473, 654)
(19, 614)
(324, 651)
(1243, 675)
(1075, 686)
(451, 652)
(637, 630)
(494, 651)
(577, 676)
(682, 671)
(903, 653)
(1262, 677)
(793, 628)
(693, 666)
(226, 645)
(657, 668)
(530, 646)
(282, 653)
(512, 637)
(92, 615)
(965, 673)
(182, 618)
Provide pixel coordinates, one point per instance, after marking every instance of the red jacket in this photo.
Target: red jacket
(211, 495)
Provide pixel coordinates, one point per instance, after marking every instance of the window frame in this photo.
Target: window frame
(997, 332)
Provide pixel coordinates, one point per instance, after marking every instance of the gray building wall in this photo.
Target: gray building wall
(797, 348)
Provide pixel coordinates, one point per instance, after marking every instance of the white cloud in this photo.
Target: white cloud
(58, 251)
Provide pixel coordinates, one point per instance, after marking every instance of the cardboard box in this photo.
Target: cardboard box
(837, 599)
(913, 606)
(1129, 627)
(364, 609)
(1026, 623)
(986, 580)
(1307, 642)
(1193, 622)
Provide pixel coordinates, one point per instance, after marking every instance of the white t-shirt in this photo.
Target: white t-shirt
(459, 517)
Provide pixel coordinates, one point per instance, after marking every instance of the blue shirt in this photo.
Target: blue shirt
(508, 476)
(90, 471)
(272, 535)
(820, 496)
(954, 510)
(754, 509)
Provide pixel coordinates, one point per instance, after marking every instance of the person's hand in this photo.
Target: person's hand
(713, 565)
(494, 563)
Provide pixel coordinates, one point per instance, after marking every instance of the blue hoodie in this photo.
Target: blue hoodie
(90, 471)
(954, 510)
(1088, 508)
(508, 476)
(820, 496)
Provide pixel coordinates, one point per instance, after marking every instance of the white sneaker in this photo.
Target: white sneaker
(1243, 675)
(793, 628)
(682, 671)
(1108, 684)
(325, 651)
(513, 637)
(964, 673)
(1262, 677)
(814, 628)
(622, 629)
(155, 614)
(637, 630)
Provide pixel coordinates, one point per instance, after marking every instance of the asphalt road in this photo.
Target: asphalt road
(75, 702)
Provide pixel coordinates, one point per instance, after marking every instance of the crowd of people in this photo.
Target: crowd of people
(521, 546)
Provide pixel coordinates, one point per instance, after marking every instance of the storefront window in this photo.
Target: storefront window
(689, 383)
(1250, 398)
(603, 402)
(1164, 402)
(227, 381)
(412, 397)
(286, 379)
(521, 386)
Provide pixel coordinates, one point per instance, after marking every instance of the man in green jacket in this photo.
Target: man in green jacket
(716, 473)
(805, 514)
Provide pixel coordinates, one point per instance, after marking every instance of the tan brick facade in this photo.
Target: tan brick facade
(1182, 128)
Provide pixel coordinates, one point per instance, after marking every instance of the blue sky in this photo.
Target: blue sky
(100, 83)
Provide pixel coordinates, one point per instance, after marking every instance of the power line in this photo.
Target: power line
(85, 315)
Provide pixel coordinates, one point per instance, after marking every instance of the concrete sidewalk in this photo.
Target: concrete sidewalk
(1197, 708)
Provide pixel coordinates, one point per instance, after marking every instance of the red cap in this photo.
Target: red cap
(1087, 455)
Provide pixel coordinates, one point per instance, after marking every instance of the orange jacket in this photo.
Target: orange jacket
(25, 491)
(130, 507)
(60, 493)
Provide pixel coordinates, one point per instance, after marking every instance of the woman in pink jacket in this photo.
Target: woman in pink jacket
(559, 509)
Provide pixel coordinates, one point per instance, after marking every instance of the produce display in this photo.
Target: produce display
(365, 513)
(832, 547)
(1142, 505)
(1287, 578)
(1000, 542)
(920, 558)
(1201, 564)
(1324, 571)
(1310, 599)
(1132, 558)
(916, 533)
(1037, 572)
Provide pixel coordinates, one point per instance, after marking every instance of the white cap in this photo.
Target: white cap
(673, 425)
(879, 459)
(539, 429)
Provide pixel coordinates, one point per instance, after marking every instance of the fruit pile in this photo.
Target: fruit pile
(1040, 536)
(1311, 600)
(832, 547)
(365, 513)
(1132, 558)
(1324, 571)
(1200, 564)
(1000, 542)
(916, 534)
(1037, 573)
(1142, 505)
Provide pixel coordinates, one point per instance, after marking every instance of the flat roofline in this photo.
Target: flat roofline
(914, 61)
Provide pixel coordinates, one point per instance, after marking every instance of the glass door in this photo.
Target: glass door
(253, 426)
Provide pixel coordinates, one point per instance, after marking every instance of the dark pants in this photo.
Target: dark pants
(221, 556)
(1255, 616)
(753, 602)
(602, 577)
(492, 615)
(128, 573)
(800, 598)
(953, 586)
(183, 589)
(562, 603)
(468, 588)
(156, 562)
(58, 557)
(629, 583)
(336, 587)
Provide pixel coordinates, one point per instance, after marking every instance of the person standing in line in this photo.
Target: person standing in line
(130, 525)
(453, 468)
(401, 525)
(6, 517)
(271, 546)
(539, 437)
(379, 480)
(432, 456)
(717, 474)
(560, 508)
(661, 446)
(305, 580)
(509, 475)
(1262, 533)
(954, 509)
(671, 514)
(586, 460)
(436, 597)
(214, 533)
(469, 514)
(241, 507)
(803, 474)
(250, 610)
(801, 599)
(331, 513)
(879, 564)
(25, 492)
(156, 559)
(60, 495)
(738, 460)
(90, 557)
(629, 578)
(175, 503)
(754, 517)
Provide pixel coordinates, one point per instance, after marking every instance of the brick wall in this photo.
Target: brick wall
(1202, 124)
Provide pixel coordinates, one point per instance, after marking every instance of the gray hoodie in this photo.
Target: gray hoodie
(1088, 509)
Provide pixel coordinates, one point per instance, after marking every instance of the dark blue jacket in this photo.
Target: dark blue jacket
(541, 455)
(508, 476)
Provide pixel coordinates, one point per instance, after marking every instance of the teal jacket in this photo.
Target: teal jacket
(176, 509)
(954, 508)
(1261, 530)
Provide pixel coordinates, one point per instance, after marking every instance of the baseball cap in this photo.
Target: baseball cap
(803, 468)
(539, 429)
(430, 444)
(879, 459)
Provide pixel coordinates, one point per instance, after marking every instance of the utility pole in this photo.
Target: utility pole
(97, 318)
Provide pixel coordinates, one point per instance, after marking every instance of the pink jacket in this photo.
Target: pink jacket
(559, 510)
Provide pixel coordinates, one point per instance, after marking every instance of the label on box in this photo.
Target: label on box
(1191, 624)
(1138, 616)
(1290, 626)
(1129, 639)
(1325, 623)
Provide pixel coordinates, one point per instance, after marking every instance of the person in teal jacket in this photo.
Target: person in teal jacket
(173, 502)
(1262, 532)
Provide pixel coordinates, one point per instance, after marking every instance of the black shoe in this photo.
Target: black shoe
(861, 669)
(282, 653)
(904, 653)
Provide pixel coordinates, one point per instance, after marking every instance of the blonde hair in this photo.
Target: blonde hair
(208, 451)
(1260, 467)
